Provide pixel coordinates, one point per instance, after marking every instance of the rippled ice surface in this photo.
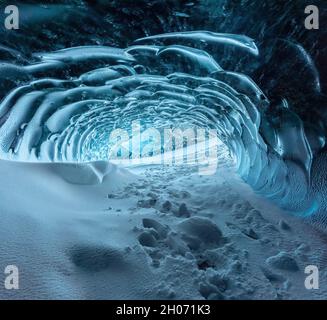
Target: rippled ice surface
(60, 103)
(72, 99)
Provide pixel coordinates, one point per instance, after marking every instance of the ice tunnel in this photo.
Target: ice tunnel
(61, 107)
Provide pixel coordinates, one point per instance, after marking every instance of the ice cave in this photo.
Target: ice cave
(80, 225)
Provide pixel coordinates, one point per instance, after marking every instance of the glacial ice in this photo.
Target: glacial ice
(62, 106)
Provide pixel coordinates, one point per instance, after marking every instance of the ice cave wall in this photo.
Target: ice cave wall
(58, 105)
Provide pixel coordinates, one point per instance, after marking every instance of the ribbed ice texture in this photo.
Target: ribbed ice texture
(67, 102)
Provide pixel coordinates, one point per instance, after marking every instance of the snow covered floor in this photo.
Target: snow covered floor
(156, 233)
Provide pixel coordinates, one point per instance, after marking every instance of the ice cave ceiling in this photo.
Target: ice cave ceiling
(76, 71)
